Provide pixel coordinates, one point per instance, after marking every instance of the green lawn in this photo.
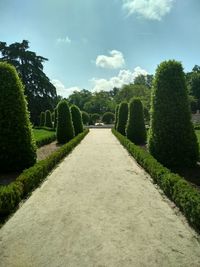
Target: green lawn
(43, 137)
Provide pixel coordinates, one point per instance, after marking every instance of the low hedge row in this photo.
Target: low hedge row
(47, 140)
(12, 194)
(186, 197)
(44, 128)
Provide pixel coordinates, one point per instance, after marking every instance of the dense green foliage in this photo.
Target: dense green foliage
(12, 194)
(85, 117)
(55, 118)
(94, 118)
(18, 150)
(116, 116)
(122, 118)
(48, 119)
(76, 119)
(135, 129)
(42, 118)
(186, 197)
(172, 140)
(65, 128)
(40, 92)
(43, 137)
(108, 117)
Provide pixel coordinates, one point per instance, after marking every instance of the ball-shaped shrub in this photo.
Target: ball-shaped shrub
(108, 117)
(65, 128)
(48, 119)
(17, 145)
(42, 119)
(116, 116)
(135, 128)
(94, 118)
(172, 140)
(76, 119)
(85, 117)
(122, 118)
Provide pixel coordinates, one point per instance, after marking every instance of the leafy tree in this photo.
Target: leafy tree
(108, 117)
(144, 80)
(79, 98)
(135, 129)
(65, 128)
(48, 121)
(116, 115)
(122, 118)
(94, 118)
(42, 118)
(18, 150)
(85, 117)
(77, 119)
(172, 140)
(40, 92)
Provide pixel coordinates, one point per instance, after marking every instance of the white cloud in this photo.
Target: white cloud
(123, 77)
(62, 90)
(114, 61)
(65, 40)
(150, 9)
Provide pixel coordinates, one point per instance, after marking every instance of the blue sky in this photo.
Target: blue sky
(98, 44)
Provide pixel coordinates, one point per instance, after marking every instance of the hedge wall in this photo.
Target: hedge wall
(186, 197)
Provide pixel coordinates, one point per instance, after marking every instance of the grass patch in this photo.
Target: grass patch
(43, 137)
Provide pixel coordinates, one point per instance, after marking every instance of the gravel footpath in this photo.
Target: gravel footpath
(98, 209)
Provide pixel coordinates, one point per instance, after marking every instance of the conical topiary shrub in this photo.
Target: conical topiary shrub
(55, 118)
(76, 119)
(122, 118)
(172, 140)
(48, 120)
(42, 119)
(65, 129)
(116, 116)
(135, 129)
(17, 145)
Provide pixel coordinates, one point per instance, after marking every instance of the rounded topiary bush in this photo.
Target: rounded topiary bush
(116, 116)
(135, 128)
(172, 140)
(48, 119)
(17, 145)
(94, 118)
(77, 119)
(85, 117)
(42, 119)
(122, 118)
(108, 117)
(55, 118)
(65, 128)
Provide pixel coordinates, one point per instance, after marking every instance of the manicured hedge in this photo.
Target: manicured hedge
(46, 140)
(186, 197)
(12, 194)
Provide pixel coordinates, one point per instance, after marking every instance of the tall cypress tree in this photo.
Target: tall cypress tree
(135, 129)
(122, 118)
(42, 118)
(76, 119)
(18, 149)
(172, 139)
(48, 119)
(116, 116)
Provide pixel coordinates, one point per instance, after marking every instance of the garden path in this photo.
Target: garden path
(98, 208)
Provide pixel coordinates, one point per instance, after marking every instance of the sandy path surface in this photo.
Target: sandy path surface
(98, 208)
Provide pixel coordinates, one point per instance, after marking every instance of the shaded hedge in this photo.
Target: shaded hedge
(116, 116)
(65, 128)
(94, 118)
(42, 119)
(12, 194)
(186, 197)
(76, 119)
(108, 117)
(122, 118)
(85, 118)
(135, 128)
(55, 118)
(48, 119)
(172, 140)
(17, 144)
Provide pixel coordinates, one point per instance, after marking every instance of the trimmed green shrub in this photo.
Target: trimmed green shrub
(135, 129)
(116, 116)
(76, 119)
(172, 140)
(94, 118)
(12, 194)
(85, 117)
(108, 117)
(55, 118)
(48, 120)
(17, 144)
(122, 118)
(186, 197)
(42, 119)
(65, 128)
